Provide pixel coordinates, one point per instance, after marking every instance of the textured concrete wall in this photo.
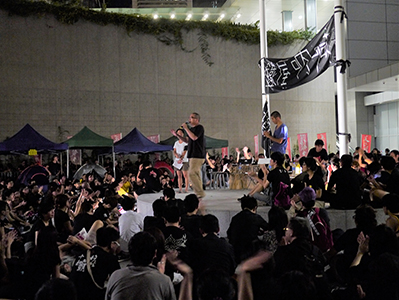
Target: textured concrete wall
(60, 78)
(373, 34)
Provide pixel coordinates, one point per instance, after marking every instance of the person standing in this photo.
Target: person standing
(280, 135)
(196, 151)
(181, 162)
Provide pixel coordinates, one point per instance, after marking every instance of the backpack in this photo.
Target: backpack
(282, 198)
(321, 233)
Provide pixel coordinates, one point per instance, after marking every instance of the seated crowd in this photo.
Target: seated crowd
(84, 239)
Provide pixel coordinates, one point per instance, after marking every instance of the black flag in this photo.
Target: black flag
(266, 143)
(317, 56)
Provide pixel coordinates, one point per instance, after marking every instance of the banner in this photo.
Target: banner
(323, 137)
(317, 56)
(288, 150)
(225, 152)
(366, 142)
(266, 143)
(256, 140)
(303, 144)
(116, 137)
(154, 138)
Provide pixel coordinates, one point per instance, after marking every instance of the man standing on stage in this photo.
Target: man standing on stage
(196, 151)
(280, 135)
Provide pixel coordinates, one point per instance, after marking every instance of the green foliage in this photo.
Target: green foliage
(169, 32)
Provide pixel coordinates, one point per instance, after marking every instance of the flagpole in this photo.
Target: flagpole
(263, 54)
(340, 35)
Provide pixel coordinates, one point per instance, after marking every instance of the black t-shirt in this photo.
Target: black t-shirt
(54, 168)
(322, 155)
(102, 263)
(101, 213)
(151, 178)
(315, 183)
(60, 218)
(277, 175)
(196, 149)
(192, 224)
(243, 231)
(83, 221)
(177, 239)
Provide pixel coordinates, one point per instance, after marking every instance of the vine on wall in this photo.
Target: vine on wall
(169, 32)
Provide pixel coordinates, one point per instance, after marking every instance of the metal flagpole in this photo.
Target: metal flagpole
(340, 35)
(263, 54)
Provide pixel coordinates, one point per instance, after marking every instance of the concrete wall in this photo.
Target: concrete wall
(60, 78)
(373, 34)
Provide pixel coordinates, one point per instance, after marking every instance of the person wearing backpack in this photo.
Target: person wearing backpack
(319, 221)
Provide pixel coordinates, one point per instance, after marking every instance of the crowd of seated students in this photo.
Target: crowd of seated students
(293, 255)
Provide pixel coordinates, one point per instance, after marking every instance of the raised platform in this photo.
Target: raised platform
(224, 205)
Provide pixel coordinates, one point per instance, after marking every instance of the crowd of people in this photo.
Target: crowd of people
(85, 239)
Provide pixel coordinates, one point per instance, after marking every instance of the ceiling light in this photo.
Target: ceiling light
(155, 16)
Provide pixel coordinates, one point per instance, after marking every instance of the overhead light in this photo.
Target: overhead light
(300, 17)
(155, 16)
(205, 17)
(189, 16)
(172, 15)
(238, 15)
(222, 16)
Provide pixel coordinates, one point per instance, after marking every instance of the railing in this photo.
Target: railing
(160, 3)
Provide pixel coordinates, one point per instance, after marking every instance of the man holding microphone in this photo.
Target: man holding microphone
(196, 151)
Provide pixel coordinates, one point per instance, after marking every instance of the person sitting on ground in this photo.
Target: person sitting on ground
(391, 209)
(317, 218)
(210, 251)
(318, 151)
(347, 184)
(149, 178)
(169, 197)
(191, 220)
(273, 237)
(298, 182)
(175, 237)
(104, 210)
(260, 191)
(391, 186)
(128, 283)
(244, 229)
(313, 179)
(158, 207)
(278, 176)
(89, 282)
(130, 223)
(346, 245)
(62, 222)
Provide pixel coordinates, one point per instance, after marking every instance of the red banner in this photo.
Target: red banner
(288, 150)
(303, 144)
(366, 142)
(323, 137)
(154, 138)
(256, 139)
(116, 137)
(225, 152)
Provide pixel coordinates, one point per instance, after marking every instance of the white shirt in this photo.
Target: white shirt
(130, 223)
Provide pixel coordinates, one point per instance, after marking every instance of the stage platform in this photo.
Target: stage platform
(224, 205)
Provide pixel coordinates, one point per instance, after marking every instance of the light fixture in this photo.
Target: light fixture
(238, 15)
(222, 16)
(205, 17)
(172, 15)
(300, 17)
(155, 16)
(189, 16)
